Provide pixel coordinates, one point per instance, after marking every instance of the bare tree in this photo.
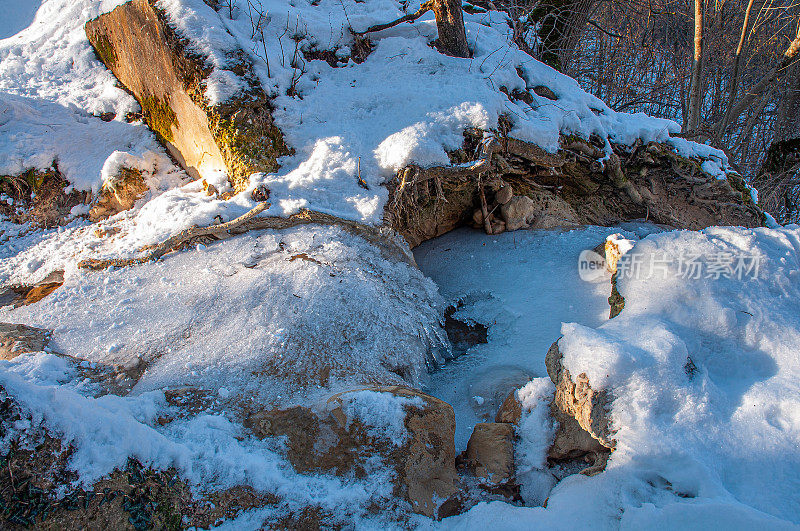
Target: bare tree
(778, 180)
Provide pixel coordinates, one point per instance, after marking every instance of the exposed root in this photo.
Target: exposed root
(581, 183)
(251, 221)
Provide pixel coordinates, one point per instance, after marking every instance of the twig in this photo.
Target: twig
(487, 225)
(424, 8)
(361, 182)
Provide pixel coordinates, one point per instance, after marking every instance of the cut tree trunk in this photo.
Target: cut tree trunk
(147, 54)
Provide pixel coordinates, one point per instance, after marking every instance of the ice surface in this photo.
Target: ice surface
(522, 285)
(266, 315)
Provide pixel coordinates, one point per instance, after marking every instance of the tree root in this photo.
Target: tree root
(250, 221)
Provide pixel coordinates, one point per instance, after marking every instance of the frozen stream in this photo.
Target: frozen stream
(522, 285)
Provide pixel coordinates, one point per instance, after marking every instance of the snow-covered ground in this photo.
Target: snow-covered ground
(713, 442)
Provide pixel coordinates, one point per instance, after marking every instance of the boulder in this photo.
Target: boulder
(520, 212)
(16, 339)
(340, 440)
(490, 452)
(582, 413)
(167, 76)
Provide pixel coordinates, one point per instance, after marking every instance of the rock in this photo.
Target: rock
(118, 194)
(498, 226)
(504, 194)
(331, 441)
(510, 410)
(545, 92)
(490, 452)
(477, 218)
(210, 189)
(615, 247)
(16, 339)
(582, 412)
(616, 301)
(520, 212)
(23, 295)
(40, 291)
(167, 75)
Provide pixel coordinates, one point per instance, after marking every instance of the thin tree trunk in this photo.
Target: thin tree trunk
(787, 125)
(726, 120)
(695, 86)
(450, 23)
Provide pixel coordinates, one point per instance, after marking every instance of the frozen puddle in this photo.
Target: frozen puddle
(522, 285)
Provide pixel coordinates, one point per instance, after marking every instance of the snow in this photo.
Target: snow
(536, 431)
(52, 60)
(384, 413)
(209, 450)
(16, 16)
(740, 330)
(52, 90)
(252, 314)
(716, 442)
(348, 122)
(711, 443)
(345, 123)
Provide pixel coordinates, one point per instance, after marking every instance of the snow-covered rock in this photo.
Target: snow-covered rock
(395, 428)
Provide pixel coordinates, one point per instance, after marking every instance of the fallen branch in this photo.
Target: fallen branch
(424, 8)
